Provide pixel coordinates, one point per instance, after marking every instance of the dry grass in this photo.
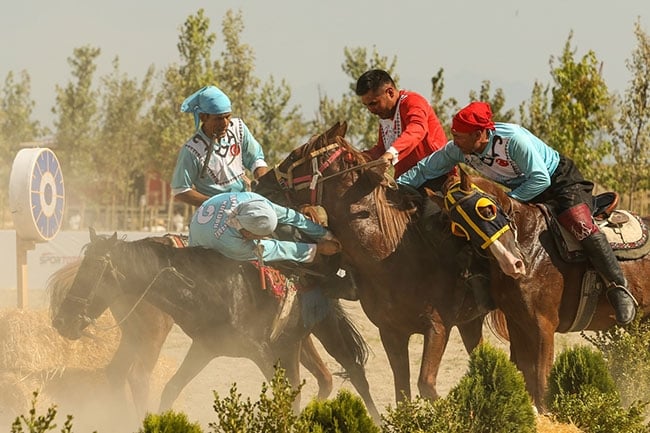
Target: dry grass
(546, 425)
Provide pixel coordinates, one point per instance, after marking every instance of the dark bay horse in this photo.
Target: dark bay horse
(145, 328)
(405, 285)
(538, 291)
(216, 301)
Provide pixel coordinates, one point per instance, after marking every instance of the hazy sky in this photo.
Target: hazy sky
(508, 42)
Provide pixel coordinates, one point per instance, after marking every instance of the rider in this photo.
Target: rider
(237, 224)
(536, 173)
(225, 140)
(409, 129)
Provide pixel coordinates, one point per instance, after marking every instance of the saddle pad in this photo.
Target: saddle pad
(629, 240)
(273, 279)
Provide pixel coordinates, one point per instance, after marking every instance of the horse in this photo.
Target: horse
(144, 330)
(405, 284)
(216, 301)
(532, 282)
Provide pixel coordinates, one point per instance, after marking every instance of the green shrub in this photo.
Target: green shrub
(270, 414)
(169, 422)
(582, 391)
(344, 414)
(420, 415)
(576, 368)
(492, 396)
(627, 357)
(39, 423)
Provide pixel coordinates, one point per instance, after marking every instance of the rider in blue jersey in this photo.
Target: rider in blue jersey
(512, 156)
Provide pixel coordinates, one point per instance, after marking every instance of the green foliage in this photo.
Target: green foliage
(497, 102)
(596, 412)
(169, 422)
(420, 415)
(270, 414)
(581, 391)
(625, 351)
(577, 368)
(344, 414)
(632, 136)
(492, 396)
(582, 116)
(39, 423)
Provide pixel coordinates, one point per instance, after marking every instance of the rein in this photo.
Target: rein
(287, 181)
(186, 280)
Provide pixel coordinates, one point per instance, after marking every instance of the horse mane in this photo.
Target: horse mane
(393, 220)
(59, 283)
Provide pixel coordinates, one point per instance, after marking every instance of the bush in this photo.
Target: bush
(581, 391)
(627, 357)
(39, 423)
(169, 422)
(272, 414)
(344, 414)
(420, 415)
(492, 396)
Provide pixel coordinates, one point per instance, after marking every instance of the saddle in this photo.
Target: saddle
(625, 231)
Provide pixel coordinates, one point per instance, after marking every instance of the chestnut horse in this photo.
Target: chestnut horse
(145, 326)
(538, 291)
(405, 285)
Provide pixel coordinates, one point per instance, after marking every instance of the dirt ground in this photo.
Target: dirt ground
(84, 395)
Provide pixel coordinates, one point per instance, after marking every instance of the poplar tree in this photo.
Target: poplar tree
(76, 116)
(632, 136)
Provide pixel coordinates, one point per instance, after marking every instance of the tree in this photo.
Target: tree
(124, 130)
(76, 111)
(170, 128)
(632, 136)
(362, 125)
(444, 108)
(16, 126)
(581, 111)
(534, 115)
(497, 102)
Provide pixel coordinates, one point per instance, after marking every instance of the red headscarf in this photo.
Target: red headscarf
(474, 117)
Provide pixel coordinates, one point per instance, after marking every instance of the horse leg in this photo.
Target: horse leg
(197, 357)
(312, 361)
(471, 333)
(117, 372)
(340, 340)
(147, 354)
(531, 350)
(435, 341)
(396, 346)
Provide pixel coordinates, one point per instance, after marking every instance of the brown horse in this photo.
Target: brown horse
(405, 285)
(538, 291)
(145, 328)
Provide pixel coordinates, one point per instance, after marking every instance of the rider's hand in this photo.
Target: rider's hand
(328, 247)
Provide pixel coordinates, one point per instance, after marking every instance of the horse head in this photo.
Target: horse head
(476, 209)
(86, 298)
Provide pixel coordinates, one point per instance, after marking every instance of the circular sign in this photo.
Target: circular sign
(36, 194)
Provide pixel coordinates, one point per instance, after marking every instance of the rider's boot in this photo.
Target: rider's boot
(602, 257)
(579, 222)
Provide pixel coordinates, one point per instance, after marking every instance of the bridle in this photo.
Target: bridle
(107, 263)
(314, 180)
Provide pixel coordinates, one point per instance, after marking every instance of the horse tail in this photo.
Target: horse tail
(59, 283)
(496, 322)
(352, 338)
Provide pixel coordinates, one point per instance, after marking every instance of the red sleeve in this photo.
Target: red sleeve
(413, 112)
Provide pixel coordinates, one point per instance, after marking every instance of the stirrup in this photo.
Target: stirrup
(623, 288)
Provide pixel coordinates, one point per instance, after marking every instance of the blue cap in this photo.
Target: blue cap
(257, 216)
(210, 100)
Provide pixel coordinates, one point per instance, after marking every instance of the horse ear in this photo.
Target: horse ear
(435, 197)
(465, 180)
(93, 234)
(114, 237)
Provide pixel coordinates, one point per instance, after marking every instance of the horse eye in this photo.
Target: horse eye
(486, 209)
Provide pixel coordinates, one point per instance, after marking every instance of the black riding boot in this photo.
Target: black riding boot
(604, 261)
